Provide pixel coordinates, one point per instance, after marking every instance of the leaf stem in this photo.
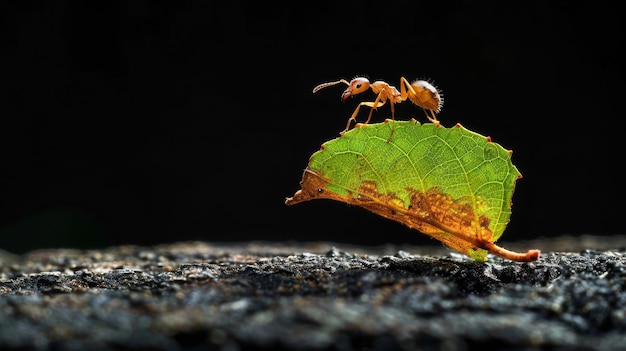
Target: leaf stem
(529, 256)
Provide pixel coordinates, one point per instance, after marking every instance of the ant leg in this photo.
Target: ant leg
(352, 118)
(393, 110)
(374, 105)
(406, 89)
(432, 118)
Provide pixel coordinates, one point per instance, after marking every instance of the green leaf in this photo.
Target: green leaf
(452, 184)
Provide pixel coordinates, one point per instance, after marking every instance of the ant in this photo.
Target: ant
(420, 92)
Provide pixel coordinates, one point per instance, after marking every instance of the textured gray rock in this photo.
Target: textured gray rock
(311, 296)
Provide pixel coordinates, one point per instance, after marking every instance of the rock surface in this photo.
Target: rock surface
(314, 296)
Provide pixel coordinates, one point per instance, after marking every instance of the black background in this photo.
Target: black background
(149, 122)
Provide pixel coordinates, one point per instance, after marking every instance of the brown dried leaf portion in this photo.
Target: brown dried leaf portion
(431, 213)
(453, 222)
(454, 214)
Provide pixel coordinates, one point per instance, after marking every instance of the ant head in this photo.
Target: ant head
(356, 86)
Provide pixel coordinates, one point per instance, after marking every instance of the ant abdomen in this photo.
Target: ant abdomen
(426, 96)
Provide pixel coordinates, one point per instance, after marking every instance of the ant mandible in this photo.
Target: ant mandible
(420, 92)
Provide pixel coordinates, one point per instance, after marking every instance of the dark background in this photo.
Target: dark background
(149, 122)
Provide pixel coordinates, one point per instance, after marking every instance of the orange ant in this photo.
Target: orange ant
(420, 92)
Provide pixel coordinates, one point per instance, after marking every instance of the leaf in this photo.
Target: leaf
(452, 184)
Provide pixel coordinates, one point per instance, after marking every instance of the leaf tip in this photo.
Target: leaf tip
(299, 196)
(458, 125)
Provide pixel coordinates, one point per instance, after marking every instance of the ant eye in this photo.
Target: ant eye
(358, 85)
